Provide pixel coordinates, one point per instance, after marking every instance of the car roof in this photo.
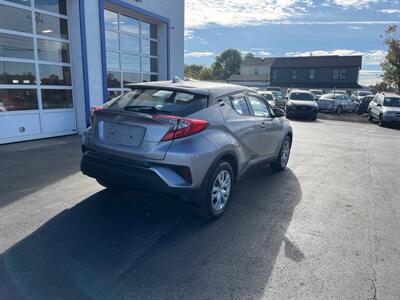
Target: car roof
(300, 91)
(391, 95)
(215, 89)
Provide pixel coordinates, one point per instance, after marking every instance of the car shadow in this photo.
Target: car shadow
(28, 170)
(144, 246)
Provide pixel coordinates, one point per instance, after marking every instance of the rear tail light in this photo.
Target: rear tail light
(92, 111)
(182, 127)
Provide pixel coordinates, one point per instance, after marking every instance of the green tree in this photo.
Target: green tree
(391, 65)
(230, 61)
(206, 74)
(193, 71)
(218, 71)
(249, 55)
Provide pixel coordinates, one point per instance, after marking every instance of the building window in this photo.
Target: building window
(339, 74)
(343, 73)
(311, 74)
(35, 66)
(294, 74)
(274, 75)
(131, 51)
(256, 71)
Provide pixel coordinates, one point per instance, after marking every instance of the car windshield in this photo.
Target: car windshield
(159, 101)
(278, 95)
(301, 96)
(391, 102)
(317, 92)
(364, 93)
(327, 97)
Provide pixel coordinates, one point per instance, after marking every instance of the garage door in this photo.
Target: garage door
(36, 93)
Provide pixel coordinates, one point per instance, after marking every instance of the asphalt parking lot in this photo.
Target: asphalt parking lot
(326, 228)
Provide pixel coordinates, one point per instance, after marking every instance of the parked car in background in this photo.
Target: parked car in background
(338, 92)
(269, 97)
(301, 104)
(363, 104)
(385, 108)
(192, 139)
(337, 103)
(273, 88)
(273, 100)
(317, 93)
(358, 95)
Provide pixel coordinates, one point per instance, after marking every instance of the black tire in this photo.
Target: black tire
(381, 123)
(370, 116)
(279, 165)
(112, 187)
(313, 117)
(206, 209)
(339, 110)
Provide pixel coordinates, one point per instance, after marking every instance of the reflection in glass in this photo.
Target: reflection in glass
(146, 78)
(110, 19)
(16, 99)
(113, 94)
(145, 29)
(17, 19)
(145, 46)
(154, 65)
(112, 59)
(130, 62)
(153, 48)
(17, 73)
(113, 79)
(131, 78)
(54, 75)
(16, 46)
(51, 26)
(153, 77)
(53, 51)
(55, 6)
(145, 64)
(129, 24)
(129, 43)
(111, 40)
(153, 31)
(57, 99)
(22, 2)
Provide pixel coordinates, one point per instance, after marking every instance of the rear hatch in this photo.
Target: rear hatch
(137, 123)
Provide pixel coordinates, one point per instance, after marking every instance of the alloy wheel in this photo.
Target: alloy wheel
(285, 153)
(221, 190)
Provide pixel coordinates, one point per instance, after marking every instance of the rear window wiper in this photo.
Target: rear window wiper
(147, 109)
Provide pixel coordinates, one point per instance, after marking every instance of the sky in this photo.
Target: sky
(290, 27)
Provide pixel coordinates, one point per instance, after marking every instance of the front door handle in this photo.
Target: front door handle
(262, 124)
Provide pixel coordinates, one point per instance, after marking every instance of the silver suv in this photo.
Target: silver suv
(385, 107)
(188, 138)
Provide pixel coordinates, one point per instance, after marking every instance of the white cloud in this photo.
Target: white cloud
(390, 11)
(234, 13)
(198, 54)
(373, 57)
(355, 4)
(355, 27)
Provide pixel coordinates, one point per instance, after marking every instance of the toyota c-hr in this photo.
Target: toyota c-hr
(188, 138)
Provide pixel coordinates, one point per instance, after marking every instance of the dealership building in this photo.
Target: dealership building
(58, 58)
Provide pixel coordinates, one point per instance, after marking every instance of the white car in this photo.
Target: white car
(385, 107)
(359, 95)
(270, 98)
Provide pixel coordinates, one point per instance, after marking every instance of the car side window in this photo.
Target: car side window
(239, 104)
(260, 108)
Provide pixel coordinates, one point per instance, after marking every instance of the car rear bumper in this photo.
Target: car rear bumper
(138, 176)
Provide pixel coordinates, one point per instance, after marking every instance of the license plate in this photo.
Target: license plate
(121, 134)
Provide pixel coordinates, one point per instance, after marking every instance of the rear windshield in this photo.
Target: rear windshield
(174, 102)
(392, 102)
(301, 96)
(364, 93)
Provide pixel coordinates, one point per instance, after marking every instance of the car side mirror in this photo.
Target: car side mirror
(279, 113)
(379, 105)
